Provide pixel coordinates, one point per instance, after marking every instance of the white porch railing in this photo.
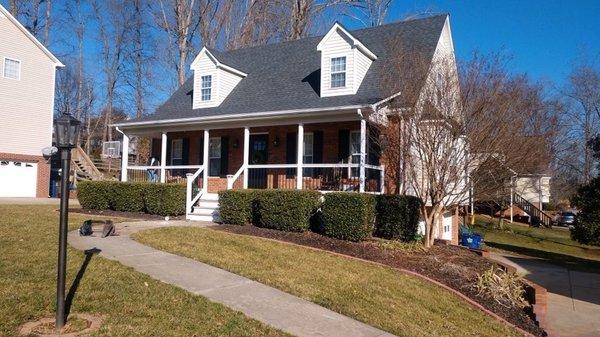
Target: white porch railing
(173, 174)
(321, 177)
(194, 188)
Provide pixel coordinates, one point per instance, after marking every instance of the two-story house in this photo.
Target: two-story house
(27, 77)
(290, 115)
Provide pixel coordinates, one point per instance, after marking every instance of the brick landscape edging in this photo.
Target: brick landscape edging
(409, 272)
(536, 296)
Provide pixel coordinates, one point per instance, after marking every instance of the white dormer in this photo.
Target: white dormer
(213, 80)
(344, 62)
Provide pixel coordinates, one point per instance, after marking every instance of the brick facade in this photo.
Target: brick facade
(43, 173)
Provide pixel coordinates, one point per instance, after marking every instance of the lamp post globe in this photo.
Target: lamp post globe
(66, 132)
(66, 129)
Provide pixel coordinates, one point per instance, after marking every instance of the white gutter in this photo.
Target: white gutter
(230, 117)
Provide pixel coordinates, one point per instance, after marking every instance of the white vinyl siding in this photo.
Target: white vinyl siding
(222, 83)
(28, 101)
(11, 68)
(336, 46)
(361, 65)
(206, 67)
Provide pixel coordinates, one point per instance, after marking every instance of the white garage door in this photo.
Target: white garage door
(18, 179)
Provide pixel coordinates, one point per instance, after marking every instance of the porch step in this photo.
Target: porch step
(207, 209)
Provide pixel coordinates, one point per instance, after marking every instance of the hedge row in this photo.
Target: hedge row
(152, 198)
(287, 210)
(341, 215)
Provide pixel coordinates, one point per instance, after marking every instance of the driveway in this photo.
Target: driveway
(573, 296)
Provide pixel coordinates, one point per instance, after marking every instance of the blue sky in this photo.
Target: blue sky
(543, 38)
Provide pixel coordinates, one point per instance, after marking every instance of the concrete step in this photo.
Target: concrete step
(205, 210)
(210, 196)
(196, 217)
(208, 203)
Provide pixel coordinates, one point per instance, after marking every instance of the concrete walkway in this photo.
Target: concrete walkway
(573, 296)
(263, 303)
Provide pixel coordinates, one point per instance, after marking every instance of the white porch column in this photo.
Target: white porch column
(163, 157)
(125, 157)
(246, 155)
(205, 160)
(300, 156)
(363, 154)
(511, 203)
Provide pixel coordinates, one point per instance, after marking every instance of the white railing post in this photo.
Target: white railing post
(124, 157)
(300, 156)
(205, 160)
(363, 152)
(188, 193)
(246, 155)
(163, 157)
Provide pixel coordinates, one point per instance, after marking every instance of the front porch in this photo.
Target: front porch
(333, 156)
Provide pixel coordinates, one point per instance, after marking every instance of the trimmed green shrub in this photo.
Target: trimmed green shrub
(348, 216)
(153, 198)
(397, 217)
(95, 194)
(165, 199)
(236, 206)
(128, 197)
(286, 210)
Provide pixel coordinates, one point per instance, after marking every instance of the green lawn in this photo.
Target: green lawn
(133, 303)
(553, 244)
(379, 296)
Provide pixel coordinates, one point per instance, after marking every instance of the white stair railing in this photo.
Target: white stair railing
(232, 178)
(191, 199)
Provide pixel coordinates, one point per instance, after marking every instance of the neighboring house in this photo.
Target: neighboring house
(293, 115)
(27, 76)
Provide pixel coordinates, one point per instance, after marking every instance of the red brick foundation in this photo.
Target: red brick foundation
(43, 174)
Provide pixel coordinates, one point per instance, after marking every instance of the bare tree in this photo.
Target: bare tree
(453, 130)
(179, 19)
(114, 20)
(28, 13)
(583, 112)
(370, 13)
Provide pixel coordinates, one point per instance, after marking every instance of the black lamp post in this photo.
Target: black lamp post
(66, 130)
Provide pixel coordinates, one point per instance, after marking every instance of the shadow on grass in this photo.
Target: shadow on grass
(73, 289)
(563, 260)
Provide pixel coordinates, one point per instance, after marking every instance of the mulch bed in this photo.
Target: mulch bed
(128, 215)
(453, 266)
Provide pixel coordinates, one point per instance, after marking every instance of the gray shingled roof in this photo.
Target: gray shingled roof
(285, 76)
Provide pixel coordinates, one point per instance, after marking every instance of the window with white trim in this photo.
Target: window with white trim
(308, 155)
(206, 87)
(338, 72)
(176, 151)
(355, 151)
(12, 68)
(214, 156)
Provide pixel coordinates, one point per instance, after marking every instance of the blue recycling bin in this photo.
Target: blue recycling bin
(471, 240)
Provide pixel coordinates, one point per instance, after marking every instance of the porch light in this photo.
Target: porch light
(276, 141)
(236, 143)
(66, 132)
(66, 129)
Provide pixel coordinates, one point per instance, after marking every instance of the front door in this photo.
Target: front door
(259, 154)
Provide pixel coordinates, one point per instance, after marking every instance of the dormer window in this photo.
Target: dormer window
(206, 87)
(338, 72)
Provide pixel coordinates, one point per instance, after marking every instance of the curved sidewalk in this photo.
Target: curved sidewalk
(263, 303)
(573, 296)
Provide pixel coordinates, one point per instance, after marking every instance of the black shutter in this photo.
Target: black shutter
(290, 152)
(155, 152)
(343, 145)
(343, 149)
(317, 151)
(169, 143)
(224, 156)
(185, 151)
(374, 148)
(201, 147)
